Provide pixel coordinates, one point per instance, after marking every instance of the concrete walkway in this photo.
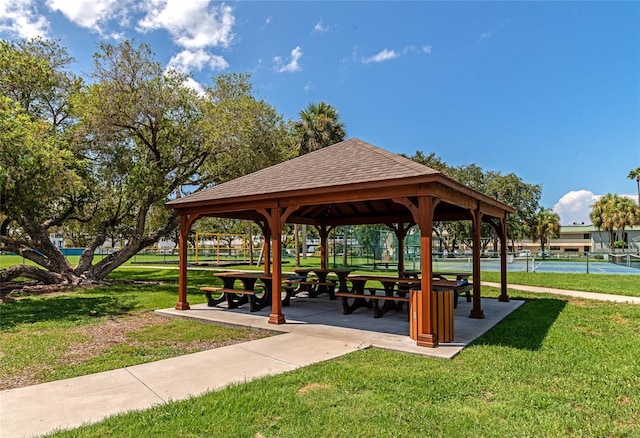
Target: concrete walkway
(315, 331)
(69, 403)
(570, 293)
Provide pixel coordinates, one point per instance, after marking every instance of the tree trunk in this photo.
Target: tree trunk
(304, 242)
(250, 243)
(57, 269)
(296, 244)
(344, 246)
(35, 273)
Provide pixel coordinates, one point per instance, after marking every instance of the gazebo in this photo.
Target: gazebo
(349, 183)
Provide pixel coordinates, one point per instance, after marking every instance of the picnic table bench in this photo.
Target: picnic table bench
(312, 287)
(385, 263)
(374, 299)
(460, 285)
(258, 298)
(370, 297)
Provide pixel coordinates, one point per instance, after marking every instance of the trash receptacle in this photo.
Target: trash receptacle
(442, 314)
(414, 302)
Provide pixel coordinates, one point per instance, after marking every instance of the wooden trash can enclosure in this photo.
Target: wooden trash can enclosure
(441, 313)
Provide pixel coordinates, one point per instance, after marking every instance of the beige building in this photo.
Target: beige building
(583, 238)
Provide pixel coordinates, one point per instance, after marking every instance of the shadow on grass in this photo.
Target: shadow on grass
(527, 327)
(61, 308)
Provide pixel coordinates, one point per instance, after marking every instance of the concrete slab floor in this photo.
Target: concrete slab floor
(322, 317)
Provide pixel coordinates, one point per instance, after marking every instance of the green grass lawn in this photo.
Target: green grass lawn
(616, 284)
(46, 337)
(555, 367)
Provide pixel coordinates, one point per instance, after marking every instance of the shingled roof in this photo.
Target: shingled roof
(351, 182)
(351, 161)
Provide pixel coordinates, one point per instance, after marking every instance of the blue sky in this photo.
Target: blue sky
(547, 90)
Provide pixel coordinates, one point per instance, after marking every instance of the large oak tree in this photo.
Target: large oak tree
(100, 160)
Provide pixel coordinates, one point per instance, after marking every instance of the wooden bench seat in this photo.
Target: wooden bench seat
(248, 296)
(310, 282)
(231, 291)
(459, 287)
(314, 287)
(374, 298)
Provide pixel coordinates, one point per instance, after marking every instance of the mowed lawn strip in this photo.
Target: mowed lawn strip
(79, 331)
(616, 284)
(555, 367)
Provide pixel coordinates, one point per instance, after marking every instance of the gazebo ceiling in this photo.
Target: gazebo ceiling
(351, 182)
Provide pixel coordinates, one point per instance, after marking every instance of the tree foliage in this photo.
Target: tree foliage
(246, 134)
(98, 161)
(613, 213)
(635, 174)
(509, 188)
(546, 226)
(319, 126)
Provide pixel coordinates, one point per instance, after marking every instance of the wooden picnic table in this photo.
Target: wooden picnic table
(342, 275)
(459, 275)
(257, 299)
(442, 281)
(322, 285)
(438, 274)
(393, 299)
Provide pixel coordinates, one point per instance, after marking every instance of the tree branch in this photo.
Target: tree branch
(32, 272)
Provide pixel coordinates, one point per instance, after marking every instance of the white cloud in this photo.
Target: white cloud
(90, 14)
(195, 85)
(426, 49)
(385, 55)
(193, 24)
(188, 60)
(485, 35)
(21, 18)
(575, 206)
(409, 49)
(293, 64)
(320, 27)
(308, 87)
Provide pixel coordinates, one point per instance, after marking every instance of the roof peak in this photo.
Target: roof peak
(351, 161)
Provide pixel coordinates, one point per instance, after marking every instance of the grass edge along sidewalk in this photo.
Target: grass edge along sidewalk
(555, 367)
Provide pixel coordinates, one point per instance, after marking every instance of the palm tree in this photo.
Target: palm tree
(546, 227)
(614, 213)
(627, 214)
(319, 126)
(635, 174)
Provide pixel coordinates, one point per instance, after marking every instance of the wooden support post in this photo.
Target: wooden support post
(476, 219)
(185, 226)
(504, 296)
(276, 217)
(276, 316)
(426, 336)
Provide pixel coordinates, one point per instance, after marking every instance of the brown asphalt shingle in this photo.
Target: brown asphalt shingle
(348, 162)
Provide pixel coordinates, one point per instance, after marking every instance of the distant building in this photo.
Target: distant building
(583, 238)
